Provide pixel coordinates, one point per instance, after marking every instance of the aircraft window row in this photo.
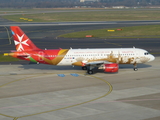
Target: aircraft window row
(97, 54)
(50, 55)
(127, 54)
(89, 55)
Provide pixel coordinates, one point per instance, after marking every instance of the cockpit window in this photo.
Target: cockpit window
(146, 53)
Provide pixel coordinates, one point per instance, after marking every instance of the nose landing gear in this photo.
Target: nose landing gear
(135, 67)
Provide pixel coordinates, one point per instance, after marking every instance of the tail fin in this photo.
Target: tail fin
(22, 42)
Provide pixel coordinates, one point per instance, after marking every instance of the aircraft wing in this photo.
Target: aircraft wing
(97, 62)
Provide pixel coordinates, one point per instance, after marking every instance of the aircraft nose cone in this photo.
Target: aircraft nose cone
(151, 58)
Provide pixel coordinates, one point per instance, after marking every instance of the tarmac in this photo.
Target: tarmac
(45, 92)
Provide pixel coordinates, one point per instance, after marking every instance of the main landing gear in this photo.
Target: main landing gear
(90, 72)
(89, 69)
(135, 67)
(84, 68)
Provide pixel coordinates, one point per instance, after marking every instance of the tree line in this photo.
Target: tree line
(73, 3)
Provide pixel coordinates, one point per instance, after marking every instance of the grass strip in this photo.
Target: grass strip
(106, 15)
(145, 31)
(7, 58)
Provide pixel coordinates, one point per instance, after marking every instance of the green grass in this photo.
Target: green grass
(115, 15)
(146, 31)
(7, 58)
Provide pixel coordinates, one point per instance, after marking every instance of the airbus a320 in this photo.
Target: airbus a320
(107, 59)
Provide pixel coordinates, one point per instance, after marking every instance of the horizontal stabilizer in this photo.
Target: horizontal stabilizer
(16, 54)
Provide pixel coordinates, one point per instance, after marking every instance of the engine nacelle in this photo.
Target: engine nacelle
(111, 68)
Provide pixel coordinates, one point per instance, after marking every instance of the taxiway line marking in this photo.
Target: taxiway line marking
(9, 38)
(110, 90)
(7, 115)
(16, 81)
(15, 118)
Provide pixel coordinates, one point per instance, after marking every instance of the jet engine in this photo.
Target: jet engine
(111, 68)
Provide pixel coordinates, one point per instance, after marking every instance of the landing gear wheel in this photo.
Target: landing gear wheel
(135, 69)
(84, 68)
(90, 72)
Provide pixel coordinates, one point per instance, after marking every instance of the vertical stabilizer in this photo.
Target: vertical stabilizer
(21, 40)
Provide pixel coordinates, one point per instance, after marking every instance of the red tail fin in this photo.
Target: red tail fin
(22, 42)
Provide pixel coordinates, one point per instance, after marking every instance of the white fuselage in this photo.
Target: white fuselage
(113, 55)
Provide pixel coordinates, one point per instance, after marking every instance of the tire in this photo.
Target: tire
(84, 68)
(135, 69)
(90, 72)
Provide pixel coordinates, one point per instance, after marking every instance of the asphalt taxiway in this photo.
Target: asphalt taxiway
(43, 92)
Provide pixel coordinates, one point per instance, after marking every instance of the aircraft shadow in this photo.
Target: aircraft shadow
(49, 67)
(28, 65)
(130, 66)
(52, 67)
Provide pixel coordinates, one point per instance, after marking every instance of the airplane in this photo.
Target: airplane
(107, 59)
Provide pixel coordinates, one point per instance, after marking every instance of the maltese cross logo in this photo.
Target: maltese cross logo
(20, 43)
